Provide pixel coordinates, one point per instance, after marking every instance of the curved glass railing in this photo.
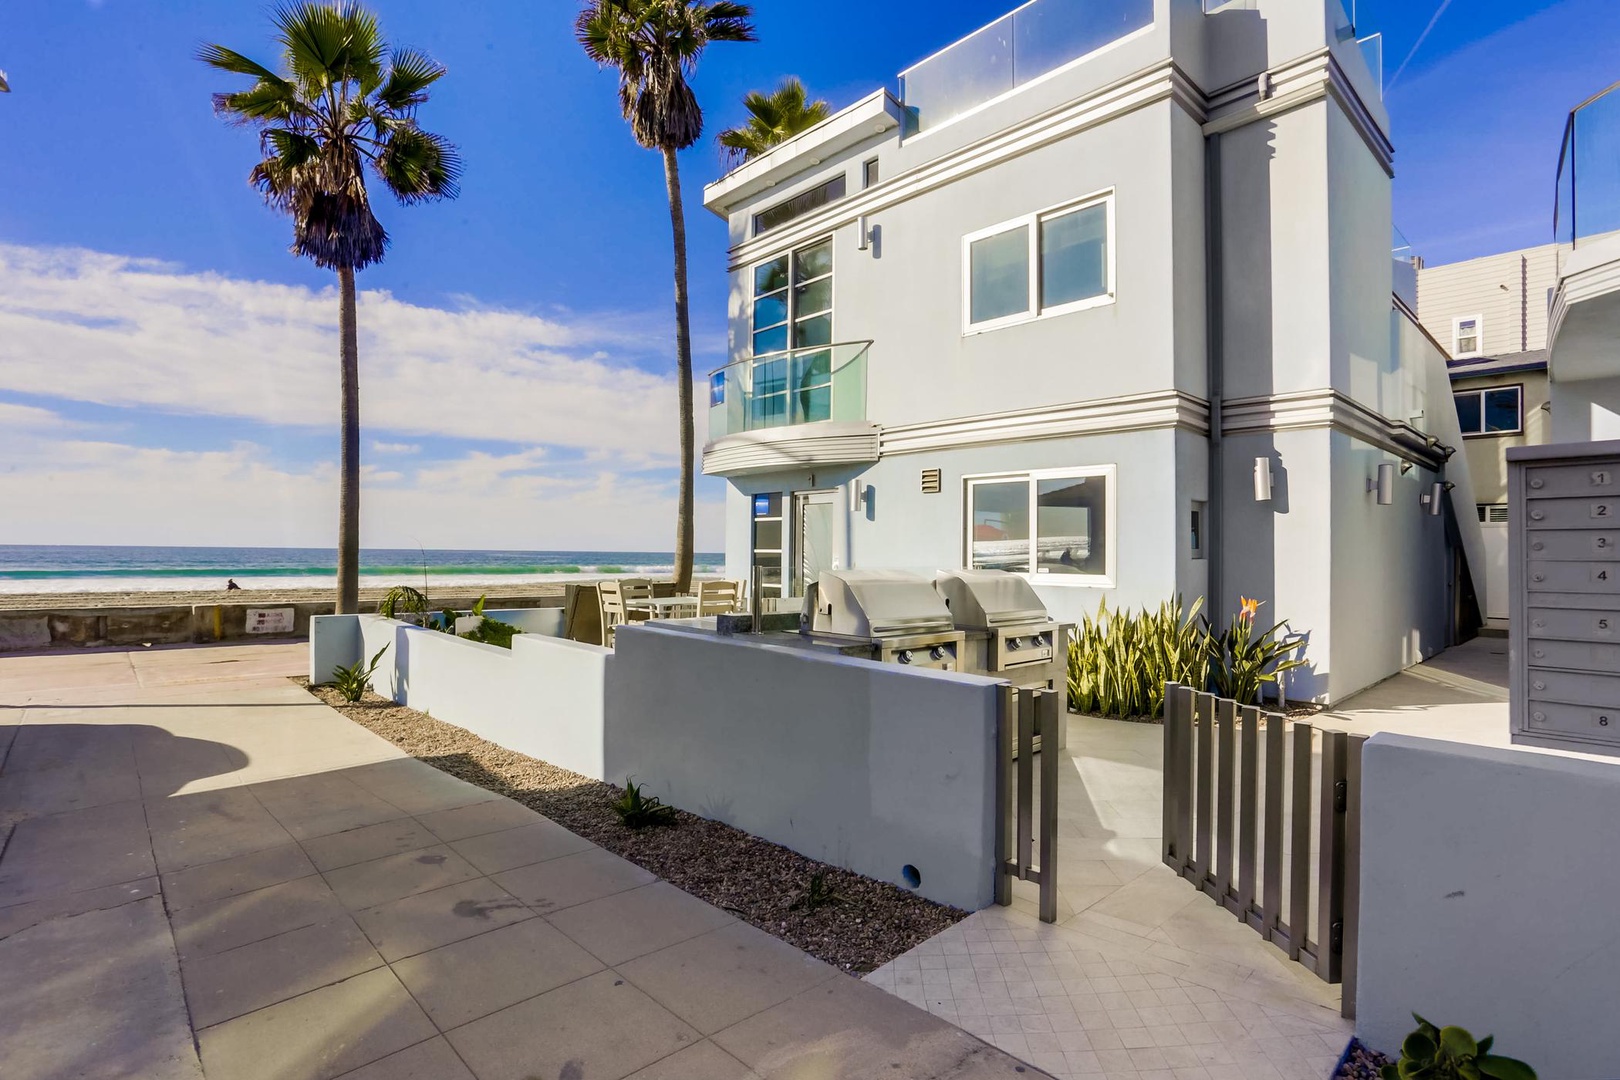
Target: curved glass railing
(798, 386)
(1588, 200)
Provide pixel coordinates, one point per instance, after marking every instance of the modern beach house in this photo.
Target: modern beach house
(1103, 294)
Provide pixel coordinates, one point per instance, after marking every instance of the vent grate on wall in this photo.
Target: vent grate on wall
(931, 482)
(1492, 513)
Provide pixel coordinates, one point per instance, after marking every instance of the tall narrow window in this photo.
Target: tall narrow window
(1466, 337)
(792, 321)
(767, 547)
(869, 173)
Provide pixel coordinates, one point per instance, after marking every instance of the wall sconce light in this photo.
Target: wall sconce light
(1434, 498)
(1262, 479)
(863, 233)
(1384, 484)
(857, 496)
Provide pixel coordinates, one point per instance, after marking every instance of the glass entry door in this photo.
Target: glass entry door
(814, 519)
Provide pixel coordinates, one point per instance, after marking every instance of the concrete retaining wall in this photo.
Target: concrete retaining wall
(1488, 901)
(178, 624)
(869, 766)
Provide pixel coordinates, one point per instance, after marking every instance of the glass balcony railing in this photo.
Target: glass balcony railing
(1036, 39)
(1587, 203)
(799, 386)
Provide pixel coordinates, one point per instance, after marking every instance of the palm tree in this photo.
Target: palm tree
(773, 119)
(655, 45)
(344, 100)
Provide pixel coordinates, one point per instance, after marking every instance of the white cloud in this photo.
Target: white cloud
(122, 331)
(395, 448)
(108, 493)
(15, 417)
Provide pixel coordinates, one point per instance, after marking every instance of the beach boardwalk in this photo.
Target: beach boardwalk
(207, 872)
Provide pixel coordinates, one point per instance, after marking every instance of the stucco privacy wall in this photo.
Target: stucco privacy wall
(869, 766)
(1487, 900)
(542, 697)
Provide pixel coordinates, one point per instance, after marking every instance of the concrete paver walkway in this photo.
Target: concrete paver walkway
(203, 871)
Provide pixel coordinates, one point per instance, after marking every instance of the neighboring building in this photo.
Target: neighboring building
(1119, 310)
(1490, 314)
(1584, 324)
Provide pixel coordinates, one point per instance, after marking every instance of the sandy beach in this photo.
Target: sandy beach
(448, 595)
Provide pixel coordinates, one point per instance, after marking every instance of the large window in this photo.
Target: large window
(1056, 524)
(1048, 263)
(1466, 337)
(793, 310)
(1498, 410)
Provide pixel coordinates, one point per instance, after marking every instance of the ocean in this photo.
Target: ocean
(41, 569)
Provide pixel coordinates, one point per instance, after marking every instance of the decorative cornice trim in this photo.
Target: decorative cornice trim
(1138, 412)
(797, 447)
(1163, 81)
(1300, 82)
(1307, 409)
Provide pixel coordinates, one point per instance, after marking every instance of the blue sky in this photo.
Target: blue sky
(518, 393)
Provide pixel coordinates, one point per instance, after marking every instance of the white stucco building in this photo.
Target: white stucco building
(1075, 299)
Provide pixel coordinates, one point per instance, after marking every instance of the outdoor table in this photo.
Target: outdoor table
(666, 607)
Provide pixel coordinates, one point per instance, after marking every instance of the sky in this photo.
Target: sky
(168, 372)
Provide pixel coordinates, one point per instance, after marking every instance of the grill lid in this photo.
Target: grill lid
(877, 604)
(989, 599)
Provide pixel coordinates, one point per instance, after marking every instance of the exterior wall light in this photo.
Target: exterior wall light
(857, 496)
(1262, 479)
(1434, 498)
(1384, 484)
(863, 233)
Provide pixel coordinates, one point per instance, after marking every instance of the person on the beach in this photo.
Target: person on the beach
(231, 585)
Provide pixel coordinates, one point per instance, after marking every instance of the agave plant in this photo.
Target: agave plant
(1450, 1053)
(1120, 661)
(1244, 660)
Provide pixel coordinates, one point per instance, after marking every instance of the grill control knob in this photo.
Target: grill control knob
(904, 657)
(937, 652)
(1014, 644)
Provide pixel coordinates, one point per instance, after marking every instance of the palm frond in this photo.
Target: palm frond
(230, 60)
(773, 119)
(265, 101)
(418, 165)
(410, 73)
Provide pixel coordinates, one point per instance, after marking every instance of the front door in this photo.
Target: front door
(814, 518)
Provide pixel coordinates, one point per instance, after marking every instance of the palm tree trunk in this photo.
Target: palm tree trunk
(683, 365)
(348, 562)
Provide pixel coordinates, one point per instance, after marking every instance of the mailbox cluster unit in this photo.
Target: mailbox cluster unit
(1564, 572)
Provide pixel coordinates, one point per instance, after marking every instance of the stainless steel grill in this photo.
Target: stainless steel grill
(1007, 631)
(886, 615)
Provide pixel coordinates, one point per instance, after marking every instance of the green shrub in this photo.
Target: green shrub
(403, 599)
(817, 894)
(489, 631)
(1450, 1053)
(1120, 661)
(1244, 660)
(637, 811)
(353, 681)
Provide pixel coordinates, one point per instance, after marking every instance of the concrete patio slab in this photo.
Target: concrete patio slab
(329, 907)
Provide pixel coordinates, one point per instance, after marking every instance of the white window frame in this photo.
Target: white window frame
(1480, 393)
(1106, 580)
(793, 315)
(1033, 223)
(1456, 336)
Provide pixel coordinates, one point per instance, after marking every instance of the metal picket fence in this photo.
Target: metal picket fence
(1026, 820)
(1243, 799)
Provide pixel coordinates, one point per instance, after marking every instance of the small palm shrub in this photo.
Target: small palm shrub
(402, 599)
(1120, 661)
(1450, 1053)
(637, 811)
(353, 681)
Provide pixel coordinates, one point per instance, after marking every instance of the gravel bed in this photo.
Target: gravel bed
(865, 925)
(1361, 1063)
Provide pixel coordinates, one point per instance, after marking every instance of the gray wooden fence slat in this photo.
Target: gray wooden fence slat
(1330, 857)
(1184, 781)
(1352, 876)
(1248, 806)
(1225, 796)
(1047, 701)
(1173, 786)
(1299, 860)
(1026, 781)
(1271, 887)
(1006, 721)
(1203, 721)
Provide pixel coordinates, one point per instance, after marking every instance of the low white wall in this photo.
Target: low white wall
(1488, 900)
(542, 697)
(869, 766)
(547, 622)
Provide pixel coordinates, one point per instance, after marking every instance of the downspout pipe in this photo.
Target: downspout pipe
(1215, 361)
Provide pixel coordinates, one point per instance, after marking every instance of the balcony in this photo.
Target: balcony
(1584, 334)
(791, 409)
(1016, 49)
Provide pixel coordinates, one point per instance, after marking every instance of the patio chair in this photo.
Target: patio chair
(631, 591)
(719, 597)
(613, 610)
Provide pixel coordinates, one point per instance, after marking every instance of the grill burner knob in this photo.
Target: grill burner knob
(904, 657)
(1014, 644)
(937, 652)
